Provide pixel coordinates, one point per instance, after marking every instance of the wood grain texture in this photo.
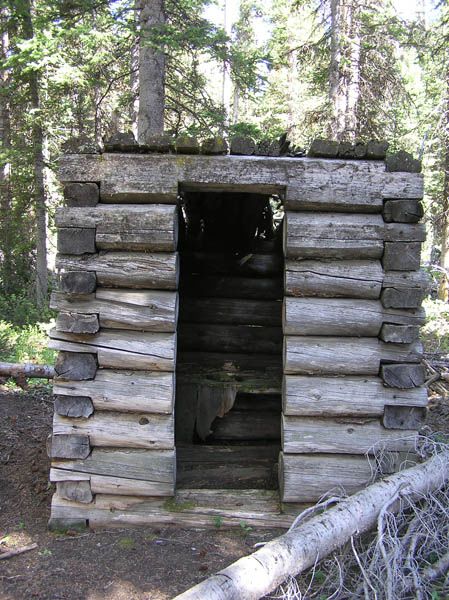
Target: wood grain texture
(77, 491)
(77, 282)
(347, 435)
(76, 240)
(403, 211)
(404, 417)
(81, 194)
(314, 182)
(333, 279)
(342, 316)
(125, 391)
(68, 445)
(124, 309)
(73, 406)
(403, 376)
(328, 396)
(151, 271)
(124, 227)
(401, 256)
(399, 334)
(307, 477)
(122, 349)
(75, 366)
(77, 323)
(123, 430)
(311, 355)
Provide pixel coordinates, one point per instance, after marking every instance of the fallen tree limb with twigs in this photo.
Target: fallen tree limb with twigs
(303, 547)
(26, 370)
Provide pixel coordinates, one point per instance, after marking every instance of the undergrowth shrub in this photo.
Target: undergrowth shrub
(27, 343)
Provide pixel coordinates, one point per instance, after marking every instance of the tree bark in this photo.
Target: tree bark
(151, 71)
(39, 170)
(26, 370)
(256, 575)
(443, 291)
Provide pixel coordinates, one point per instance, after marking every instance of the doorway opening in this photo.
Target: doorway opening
(229, 356)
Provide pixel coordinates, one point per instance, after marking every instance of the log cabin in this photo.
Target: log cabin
(236, 334)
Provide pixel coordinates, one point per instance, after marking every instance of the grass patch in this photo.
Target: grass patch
(173, 505)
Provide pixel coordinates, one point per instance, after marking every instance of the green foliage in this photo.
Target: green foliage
(25, 344)
(435, 333)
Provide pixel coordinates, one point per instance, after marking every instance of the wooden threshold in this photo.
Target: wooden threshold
(189, 508)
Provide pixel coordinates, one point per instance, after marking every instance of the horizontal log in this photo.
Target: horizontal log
(328, 396)
(77, 323)
(220, 467)
(401, 256)
(125, 391)
(343, 356)
(76, 240)
(342, 316)
(26, 370)
(81, 194)
(403, 211)
(244, 426)
(151, 466)
(308, 477)
(118, 227)
(68, 445)
(404, 417)
(122, 472)
(335, 279)
(319, 181)
(228, 286)
(123, 430)
(399, 334)
(229, 338)
(189, 508)
(251, 265)
(77, 491)
(403, 376)
(347, 435)
(75, 366)
(346, 236)
(77, 282)
(231, 311)
(127, 269)
(124, 309)
(73, 406)
(122, 349)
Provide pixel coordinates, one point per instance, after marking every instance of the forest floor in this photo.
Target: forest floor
(116, 564)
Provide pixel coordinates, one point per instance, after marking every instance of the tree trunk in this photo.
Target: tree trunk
(39, 170)
(151, 71)
(443, 291)
(256, 575)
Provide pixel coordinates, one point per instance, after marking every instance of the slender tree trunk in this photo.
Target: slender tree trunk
(443, 291)
(5, 168)
(39, 170)
(353, 72)
(151, 71)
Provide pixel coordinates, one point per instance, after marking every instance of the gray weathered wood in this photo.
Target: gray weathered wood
(403, 211)
(376, 149)
(75, 366)
(68, 445)
(247, 426)
(76, 240)
(399, 334)
(403, 375)
(324, 148)
(235, 311)
(401, 256)
(122, 349)
(121, 430)
(81, 194)
(402, 161)
(342, 316)
(124, 309)
(73, 406)
(347, 435)
(187, 145)
(118, 227)
(307, 477)
(77, 491)
(327, 396)
(157, 270)
(404, 298)
(332, 278)
(404, 417)
(243, 145)
(151, 466)
(77, 282)
(121, 141)
(310, 355)
(125, 391)
(107, 484)
(147, 178)
(77, 323)
(229, 338)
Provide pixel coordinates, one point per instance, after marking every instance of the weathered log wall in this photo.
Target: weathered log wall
(351, 315)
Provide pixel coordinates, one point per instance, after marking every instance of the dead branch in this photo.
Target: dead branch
(26, 370)
(16, 551)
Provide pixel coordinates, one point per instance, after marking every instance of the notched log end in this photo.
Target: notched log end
(320, 148)
(402, 161)
(121, 142)
(68, 445)
(81, 194)
(75, 366)
(81, 144)
(78, 282)
(73, 406)
(404, 417)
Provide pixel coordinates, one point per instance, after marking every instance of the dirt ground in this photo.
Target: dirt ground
(144, 564)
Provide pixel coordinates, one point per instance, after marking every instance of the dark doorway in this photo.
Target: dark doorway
(229, 359)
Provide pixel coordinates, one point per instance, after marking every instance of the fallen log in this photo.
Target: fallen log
(256, 575)
(26, 370)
